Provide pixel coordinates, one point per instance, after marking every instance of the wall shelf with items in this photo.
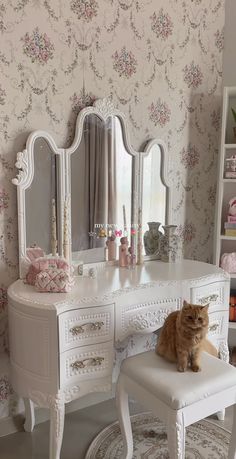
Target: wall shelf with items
(225, 228)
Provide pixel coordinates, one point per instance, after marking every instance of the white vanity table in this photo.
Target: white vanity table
(62, 345)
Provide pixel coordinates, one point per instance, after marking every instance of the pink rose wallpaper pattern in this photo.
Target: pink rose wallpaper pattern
(161, 64)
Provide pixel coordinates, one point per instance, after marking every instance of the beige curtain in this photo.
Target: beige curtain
(101, 173)
(93, 172)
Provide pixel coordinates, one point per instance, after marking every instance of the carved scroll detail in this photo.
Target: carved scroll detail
(149, 319)
(22, 164)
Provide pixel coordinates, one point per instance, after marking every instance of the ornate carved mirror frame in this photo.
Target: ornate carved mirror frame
(104, 109)
(26, 165)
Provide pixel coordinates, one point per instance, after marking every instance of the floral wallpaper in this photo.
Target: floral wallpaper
(160, 63)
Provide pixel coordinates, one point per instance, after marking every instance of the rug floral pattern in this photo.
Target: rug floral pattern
(161, 64)
(203, 440)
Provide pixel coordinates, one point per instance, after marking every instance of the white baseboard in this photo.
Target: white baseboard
(10, 425)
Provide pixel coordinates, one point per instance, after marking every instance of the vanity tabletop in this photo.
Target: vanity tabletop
(112, 281)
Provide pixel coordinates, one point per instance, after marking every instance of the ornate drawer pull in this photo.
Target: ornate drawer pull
(213, 327)
(208, 299)
(92, 325)
(91, 362)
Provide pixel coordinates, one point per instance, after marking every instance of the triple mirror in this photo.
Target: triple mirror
(71, 200)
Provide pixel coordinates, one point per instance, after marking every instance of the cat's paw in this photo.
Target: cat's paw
(196, 368)
(181, 368)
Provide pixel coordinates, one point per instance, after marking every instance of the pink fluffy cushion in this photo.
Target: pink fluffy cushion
(53, 281)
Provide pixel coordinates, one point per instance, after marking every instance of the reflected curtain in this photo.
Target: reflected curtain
(93, 183)
(100, 170)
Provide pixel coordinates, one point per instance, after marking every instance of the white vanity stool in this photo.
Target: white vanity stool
(179, 399)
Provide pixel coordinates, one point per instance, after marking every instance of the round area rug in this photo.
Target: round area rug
(204, 440)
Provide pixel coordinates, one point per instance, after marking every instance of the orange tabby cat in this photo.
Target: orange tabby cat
(182, 338)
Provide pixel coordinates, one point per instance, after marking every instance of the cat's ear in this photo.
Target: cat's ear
(206, 307)
(185, 304)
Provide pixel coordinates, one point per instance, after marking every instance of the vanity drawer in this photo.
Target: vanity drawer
(86, 326)
(215, 294)
(218, 325)
(85, 363)
(143, 318)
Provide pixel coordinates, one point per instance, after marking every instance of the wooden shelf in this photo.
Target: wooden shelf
(228, 238)
(229, 180)
(232, 325)
(230, 146)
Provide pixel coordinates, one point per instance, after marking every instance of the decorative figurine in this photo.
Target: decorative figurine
(111, 247)
(102, 232)
(123, 252)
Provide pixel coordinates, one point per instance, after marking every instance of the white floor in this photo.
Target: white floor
(80, 429)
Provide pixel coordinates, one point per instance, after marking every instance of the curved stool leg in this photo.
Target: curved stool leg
(29, 415)
(122, 404)
(232, 445)
(176, 436)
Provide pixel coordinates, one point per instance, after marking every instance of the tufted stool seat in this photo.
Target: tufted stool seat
(179, 399)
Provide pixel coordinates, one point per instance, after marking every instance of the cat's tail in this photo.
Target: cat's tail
(208, 347)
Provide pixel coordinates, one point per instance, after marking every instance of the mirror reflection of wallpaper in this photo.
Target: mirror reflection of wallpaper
(160, 62)
(154, 192)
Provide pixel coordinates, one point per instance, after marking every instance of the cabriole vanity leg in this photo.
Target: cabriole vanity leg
(57, 413)
(29, 415)
(223, 355)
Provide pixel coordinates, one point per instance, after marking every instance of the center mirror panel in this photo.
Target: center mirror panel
(101, 187)
(41, 200)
